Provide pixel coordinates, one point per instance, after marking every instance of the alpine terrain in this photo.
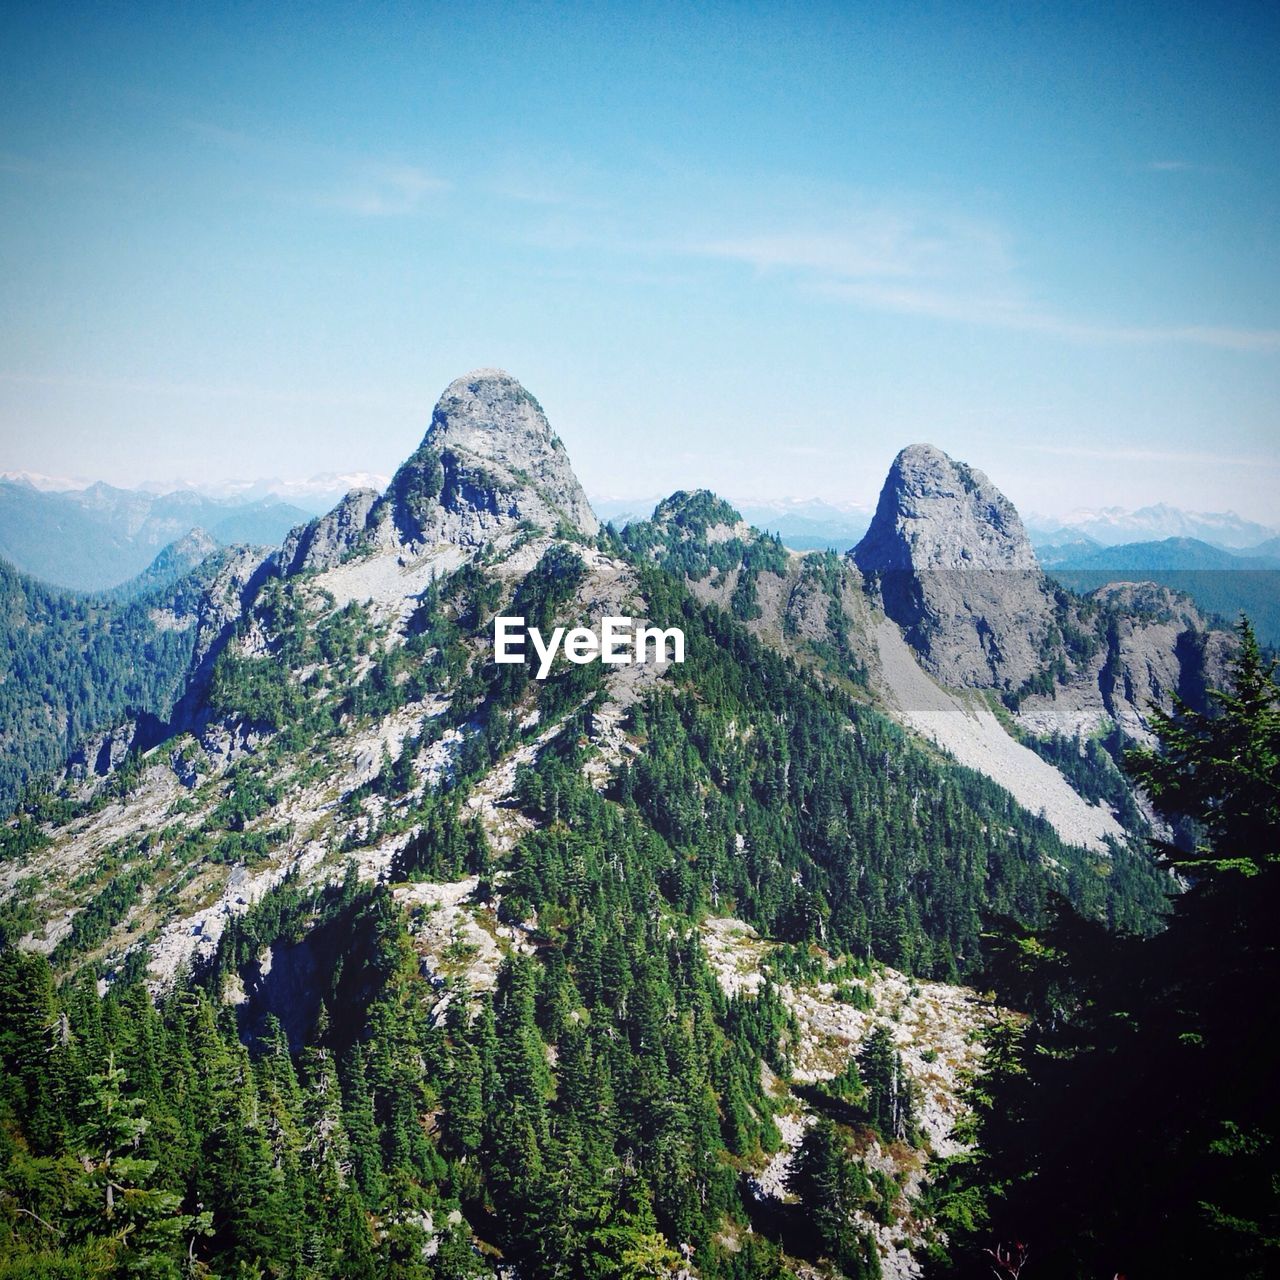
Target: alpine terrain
(334, 948)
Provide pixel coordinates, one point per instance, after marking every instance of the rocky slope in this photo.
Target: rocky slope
(948, 559)
(1100, 665)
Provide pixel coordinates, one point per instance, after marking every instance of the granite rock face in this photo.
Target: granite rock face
(326, 542)
(1155, 645)
(956, 570)
(499, 455)
(949, 560)
(215, 612)
(488, 464)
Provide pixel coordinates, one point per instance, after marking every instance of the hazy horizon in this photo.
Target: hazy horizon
(317, 494)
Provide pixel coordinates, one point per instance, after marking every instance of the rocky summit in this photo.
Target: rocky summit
(487, 424)
(489, 462)
(957, 572)
(937, 513)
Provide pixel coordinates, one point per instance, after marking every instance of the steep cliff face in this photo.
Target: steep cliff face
(327, 541)
(956, 571)
(948, 558)
(215, 612)
(1146, 644)
(488, 465)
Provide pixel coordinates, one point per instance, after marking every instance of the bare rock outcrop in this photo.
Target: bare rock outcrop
(1152, 644)
(327, 541)
(956, 570)
(488, 465)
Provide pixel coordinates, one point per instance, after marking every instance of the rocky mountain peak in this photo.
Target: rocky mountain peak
(957, 571)
(489, 414)
(937, 513)
(488, 463)
(490, 433)
(190, 549)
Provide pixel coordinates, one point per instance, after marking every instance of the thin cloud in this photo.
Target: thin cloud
(1009, 312)
(534, 193)
(841, 256)
(366, 187)
(388, 191)
(877, 244)
(1193, 457)
(204, 391)
(944, 269)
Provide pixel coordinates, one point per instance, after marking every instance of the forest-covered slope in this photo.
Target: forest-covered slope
(72, 664)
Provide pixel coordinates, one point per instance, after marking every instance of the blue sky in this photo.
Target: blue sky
(754, 247)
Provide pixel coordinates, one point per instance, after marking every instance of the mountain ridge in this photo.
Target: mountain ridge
(763, 869)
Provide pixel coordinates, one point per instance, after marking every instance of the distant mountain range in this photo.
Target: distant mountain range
(1168, 553)
(97, 538)
(1110, 526)
(314, 494)
(100, 537)
(808, 524)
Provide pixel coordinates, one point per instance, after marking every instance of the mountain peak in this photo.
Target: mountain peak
(697, 510)
(497, 457)
(956, 571)
(488, 464)
(937, 513)
(487, 413)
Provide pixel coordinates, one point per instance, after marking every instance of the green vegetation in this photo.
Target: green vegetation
(417, 485)
(833, 1185)
(599, 1107)
(1130, 1126)
(676, 539)
(73, 663)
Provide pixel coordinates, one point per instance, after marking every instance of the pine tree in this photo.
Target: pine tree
(115, 1197)
(831, 1188)
(889, 1100)
(1154, 1049)
(361, 1128)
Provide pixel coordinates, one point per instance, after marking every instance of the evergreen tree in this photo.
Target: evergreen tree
(832, 1187)
(1153, 1050)
(888, 1089)
(115, 1198)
